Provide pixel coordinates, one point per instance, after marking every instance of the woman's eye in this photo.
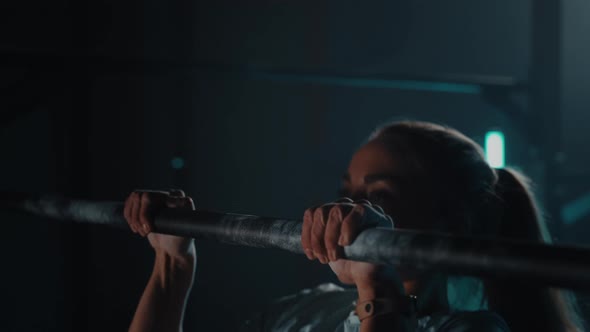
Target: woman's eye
(380, 197)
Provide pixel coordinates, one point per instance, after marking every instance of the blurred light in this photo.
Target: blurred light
(494, 148)
(576, 209)
(177, 163)
(411, 85)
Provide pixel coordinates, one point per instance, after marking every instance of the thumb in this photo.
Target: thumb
(175, 202)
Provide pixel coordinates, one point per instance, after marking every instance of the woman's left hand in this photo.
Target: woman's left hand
(330, 227)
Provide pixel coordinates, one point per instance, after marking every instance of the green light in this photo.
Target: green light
(177, 163)
(411, 85)
(576, 209)
(494, 147)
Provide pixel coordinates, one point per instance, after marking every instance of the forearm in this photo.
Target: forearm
(394, 321)
(161, 307)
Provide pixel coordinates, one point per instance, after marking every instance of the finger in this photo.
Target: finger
(332, 233)
(189, 204)
(127, 213)
(174, 202)
(145, 211)
(379, 209)
(176, 193)
(389, 222)
(135, 204)
(306, 233)
(344, 200)
(351, 225)
(363, 202)
(375, 217)
(318, 228)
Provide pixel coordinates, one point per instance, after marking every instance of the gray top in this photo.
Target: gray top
(329, 307)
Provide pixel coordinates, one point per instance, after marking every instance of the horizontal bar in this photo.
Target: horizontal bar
(460, 84)
(544, 264)
(368, 82)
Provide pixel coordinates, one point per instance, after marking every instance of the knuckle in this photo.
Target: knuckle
(189, 203)
(325, 211)
(336, 210)
(363, 202)
(317, 215)
(173, 202)
(146, 198)
(177, 192)
(307, 220)
(359, 209)
(356, 213)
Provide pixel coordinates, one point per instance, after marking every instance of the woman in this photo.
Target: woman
(420, 175)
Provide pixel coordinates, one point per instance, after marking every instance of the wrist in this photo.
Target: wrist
(174, 271)
(176, 260)
(383, 305)
(373, 289)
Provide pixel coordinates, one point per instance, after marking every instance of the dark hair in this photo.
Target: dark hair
(475, 199)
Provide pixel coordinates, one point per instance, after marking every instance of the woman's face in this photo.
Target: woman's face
(374, 174)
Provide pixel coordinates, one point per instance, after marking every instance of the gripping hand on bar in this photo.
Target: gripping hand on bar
(326, 230)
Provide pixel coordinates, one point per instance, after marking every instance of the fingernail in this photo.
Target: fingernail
(146, 228)
(319, 257)
(133, 228)
(341, 241)
(333, 255)
(309, 254)
(345, 242)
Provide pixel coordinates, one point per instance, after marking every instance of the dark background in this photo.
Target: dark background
(97, 99)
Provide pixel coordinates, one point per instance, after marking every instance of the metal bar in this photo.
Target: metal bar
(461, 84)
(484, 257)
(545, 101)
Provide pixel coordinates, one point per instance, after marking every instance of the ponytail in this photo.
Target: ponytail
(520, 217)
(478, 200)
(526, 307)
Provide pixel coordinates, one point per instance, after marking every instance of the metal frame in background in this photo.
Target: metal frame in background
(541, 122)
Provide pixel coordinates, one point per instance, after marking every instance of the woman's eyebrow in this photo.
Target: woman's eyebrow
(380, 177)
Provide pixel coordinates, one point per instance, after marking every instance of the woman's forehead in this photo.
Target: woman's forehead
(371, 159)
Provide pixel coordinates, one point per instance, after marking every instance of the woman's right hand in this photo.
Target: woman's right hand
(161, 307)
(139, 211)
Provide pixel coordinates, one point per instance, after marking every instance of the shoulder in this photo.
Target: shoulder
(468, 321)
